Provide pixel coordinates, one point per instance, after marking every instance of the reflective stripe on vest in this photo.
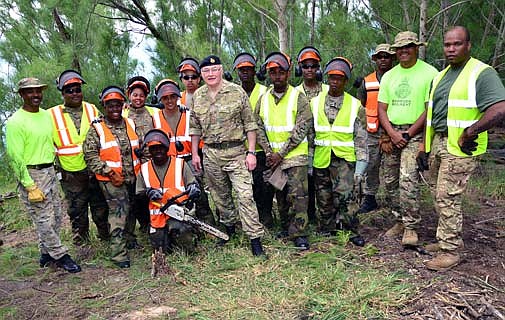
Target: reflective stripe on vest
(67, 140)
(173, 184)
(372, 92)
(182, 132)
(257, 92)
(462, 109)
(279, 120)
(110, 151)
(338, 137)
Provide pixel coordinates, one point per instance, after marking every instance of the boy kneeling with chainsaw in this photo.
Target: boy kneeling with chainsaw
(170, 187)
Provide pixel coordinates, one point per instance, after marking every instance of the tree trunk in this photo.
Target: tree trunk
(65, 36)
(313, 22)
(221, 26)
(280, 9)
(423, 11)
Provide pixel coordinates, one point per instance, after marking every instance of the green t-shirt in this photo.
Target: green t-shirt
(489, 90)
(29, 137)
(405, 91)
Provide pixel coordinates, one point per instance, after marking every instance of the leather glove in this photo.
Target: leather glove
(467, 142)
(385, 144)
(117, 179)
(422, 161)
(359, 171)
(154, 194)
(35, 194)
(193, 191)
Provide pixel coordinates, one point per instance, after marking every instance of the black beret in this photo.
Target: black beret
(211, 60)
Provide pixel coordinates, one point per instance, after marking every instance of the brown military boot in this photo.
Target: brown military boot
(409, 237)
(432, 247)
(443, 261)
(395, 230)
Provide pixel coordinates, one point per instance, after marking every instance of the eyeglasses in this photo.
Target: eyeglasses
(74, 90)
(310, 66)
(192, 77)
(212, 69)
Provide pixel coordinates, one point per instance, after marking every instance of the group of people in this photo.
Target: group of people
(312, 147)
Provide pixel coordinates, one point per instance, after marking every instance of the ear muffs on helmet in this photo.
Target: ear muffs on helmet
(66, 76)
(261, 74)
(298, 68)
(192, 62)
(136, 82)
(110, 89)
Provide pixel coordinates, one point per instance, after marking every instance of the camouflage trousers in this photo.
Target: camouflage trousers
(202, 207)
(82, 190)
(401, 180)
(46, 215)
(118, 201)
(227, 176)
(175, 235)
(334, 186)
(262, 191)
(372, 180)
(449, 175)
(292, 201)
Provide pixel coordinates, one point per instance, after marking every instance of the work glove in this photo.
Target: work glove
(117, 179)
(359, 171)
(467, 142)
(193, 191)
(154, 194)
(35, 194)
(422, 161)
(385, 144)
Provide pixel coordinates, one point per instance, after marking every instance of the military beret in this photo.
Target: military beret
(211, 60)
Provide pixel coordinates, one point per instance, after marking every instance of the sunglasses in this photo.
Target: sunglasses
(192, 77)
(74, 90)
(310, 66)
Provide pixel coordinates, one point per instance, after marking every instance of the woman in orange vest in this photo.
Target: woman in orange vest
(109, 151)
(162, 178)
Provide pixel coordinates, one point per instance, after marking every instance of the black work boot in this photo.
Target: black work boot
(369, 204)
(230, 231)
(302, 243)
(45, 260)
(68, 264)
(257, 248)
(357, 240)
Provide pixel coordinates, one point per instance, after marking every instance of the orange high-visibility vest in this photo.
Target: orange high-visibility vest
(372, 85)
(182, 132)
(110, 151)
(172, 185)
(67, 140)
(183, 102)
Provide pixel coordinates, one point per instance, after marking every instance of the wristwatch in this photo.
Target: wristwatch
(250, 152)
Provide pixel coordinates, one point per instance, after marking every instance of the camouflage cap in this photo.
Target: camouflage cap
(27, 83)
(383, 47)
(405, 38)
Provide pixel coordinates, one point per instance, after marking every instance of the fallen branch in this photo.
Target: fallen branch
(488, 285)
(492, 309)
(490, 219)
(469, 307)
(42, 290)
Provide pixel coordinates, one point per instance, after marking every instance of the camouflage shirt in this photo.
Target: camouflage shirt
(143, 121)
(304, 128)
(310, 92)
(92, 150)
(226, 118)
(331, 107)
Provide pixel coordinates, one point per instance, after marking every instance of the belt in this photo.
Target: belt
(225, 145)
(443, 134)
(39, 166)
(401, 126)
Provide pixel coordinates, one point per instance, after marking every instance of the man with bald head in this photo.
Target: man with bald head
(466, 99)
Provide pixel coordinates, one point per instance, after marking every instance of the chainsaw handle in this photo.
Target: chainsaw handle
(171, 201)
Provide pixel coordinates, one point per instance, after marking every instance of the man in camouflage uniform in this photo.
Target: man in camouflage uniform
(285, 121)
(71, 122)
(245, 65)
(222, 117)
(340, 155)
(309, 67)
(466, 100)
(402, 98)
(31, 155)
(138, 89)
(109, 152)
(367, 93)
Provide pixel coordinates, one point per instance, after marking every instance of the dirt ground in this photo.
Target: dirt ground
(475, 289)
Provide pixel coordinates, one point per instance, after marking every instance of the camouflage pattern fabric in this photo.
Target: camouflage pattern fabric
(372, 180)
(119, 207)
(202, 207)
(225, 171)
(334, 186)
(82, 190)
(262, 191)
(46, 215)
(175, 235)
(401, 180)
(292, 202)
(450, 174)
